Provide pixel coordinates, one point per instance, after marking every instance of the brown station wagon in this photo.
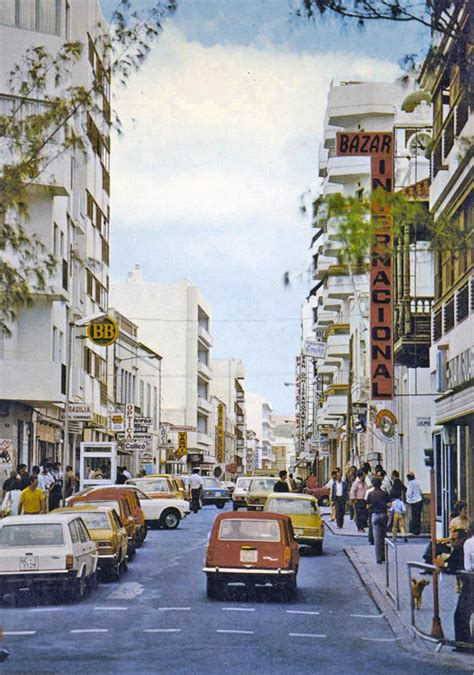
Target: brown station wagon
(254, 548)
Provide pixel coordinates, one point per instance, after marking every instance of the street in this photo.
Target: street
(158, 619)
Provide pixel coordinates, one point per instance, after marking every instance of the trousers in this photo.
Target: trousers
(464, 609)
(195, 500)
(361, 513)
(379, 526)
(398, 524)
(340, 504)
(415, 519)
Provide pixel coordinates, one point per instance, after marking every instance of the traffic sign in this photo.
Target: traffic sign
(103, 332)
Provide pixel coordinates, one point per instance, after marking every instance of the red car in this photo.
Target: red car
(321, 494)
(251, 547)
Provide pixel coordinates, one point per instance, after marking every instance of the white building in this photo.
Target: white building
(228, 384)
(174, 320)
(260, 421)
(69, 212)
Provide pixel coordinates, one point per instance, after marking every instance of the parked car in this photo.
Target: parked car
(136, 510)
(240, 492)
(116, 501)
(183, 481)
(156, 488)
(213, 492)
(51, 550)
(165, 513)
(259, 489)
(303, 510)
(229, 484)
(254, 548)
(321, 494)
(105, 528)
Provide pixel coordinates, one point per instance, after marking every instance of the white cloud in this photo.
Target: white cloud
(216, 135)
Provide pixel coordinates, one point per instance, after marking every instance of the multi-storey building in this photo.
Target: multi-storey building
(46, 360)
(174, 320)
(260, 421)
(228, 384)
(284, 447)
(448, 76)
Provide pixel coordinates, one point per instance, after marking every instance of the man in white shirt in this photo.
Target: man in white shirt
(195, 483)
(465, 606)
(126, 472)
(414, 497)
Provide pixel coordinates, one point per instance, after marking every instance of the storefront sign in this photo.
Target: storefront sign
(143, 421)
(379, 146)
(129, 421)
(117, 421)
(182, 444)
(460, 369)
(315, 349)
(103, 332)
(423, 422)
(220, 433)
(386, 423)
(79, 412)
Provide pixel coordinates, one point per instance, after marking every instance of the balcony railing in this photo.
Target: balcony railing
(413, 331)
(459, 306)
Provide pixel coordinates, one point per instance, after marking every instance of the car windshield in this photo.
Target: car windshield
(41, 534)
(95, 521)
(259, 484)
(292, 506)
(243, 483)
(249, 530)
(210, 482)
(150, 485)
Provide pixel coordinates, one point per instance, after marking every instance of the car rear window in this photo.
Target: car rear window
(243, 483)
(41, 534)
(110, 504)
(96, 521)
(210, 482)
(152, 485)
(249, 530)
(258, 484)
(303, 507)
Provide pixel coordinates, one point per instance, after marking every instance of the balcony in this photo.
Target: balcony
(334, 404)
(19, 384)
(204, 405)
(412, 332)
(204, 370)
(348, 104)
(204, 439)
(347, 169)
(342, 284)
(338, 342)
(323, 264)
(205, 336)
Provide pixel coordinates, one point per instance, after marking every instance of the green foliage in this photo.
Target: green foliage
(40, 126)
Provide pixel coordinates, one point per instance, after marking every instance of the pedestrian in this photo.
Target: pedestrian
(379, 501)
(292, 483)
(459, 519)
(398, 489)
(24, 476)
(386, 482)
(414, 498)
(465, 606)
(195, 483)
(71, 482)
(6, 485)
(339, 495)
(126, 473)
(312, 481)
(56, 490)
(282, 484)
(32, 499)
(121, 477)
(329, 485)
(358, 493)
(351, 473)
(11, 500)
(398, 510)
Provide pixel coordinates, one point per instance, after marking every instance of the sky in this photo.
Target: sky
(221, 133)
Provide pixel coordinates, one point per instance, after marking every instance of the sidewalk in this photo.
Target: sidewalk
(350, 530)
(373, 576)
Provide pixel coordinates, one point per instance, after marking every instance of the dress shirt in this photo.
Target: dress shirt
(469, 555)
(195, 481)
(413, 492)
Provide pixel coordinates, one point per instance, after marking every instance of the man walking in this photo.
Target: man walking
(414, 497)
(195, 483)
(32, 499)
(339, 495)
(379, 501)
(357, 494)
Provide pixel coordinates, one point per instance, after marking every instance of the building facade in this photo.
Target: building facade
(260, 421)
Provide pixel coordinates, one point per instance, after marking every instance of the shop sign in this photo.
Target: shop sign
(460, 369)
(129, 421)
(135, 446)
(75, 428)
(181, 428)
(220, 433)
(315, 349)
(423, 421)
(386, 423)
(103, 332)
(379, 147)
(182, 449)
(78, 412)
(143, 421)
(117, 421)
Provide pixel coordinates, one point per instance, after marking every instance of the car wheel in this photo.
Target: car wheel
(124, 565)
(80, 588)
(92, 581)
(324, 501)
(220, 505)
(145, 532)
(131, 551)
(318, 547)
(170, 519)
(214, 588)
(289, 588)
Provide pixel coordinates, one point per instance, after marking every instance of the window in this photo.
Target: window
(39, 15)
(48, 16)
(249, 530)
(96, 521)
(73, 532)
(155, 407)
(27, 14)
(7, 12)
(148, 400)
(142, 397)
(55, 343)
(83, 533)
(202, 424)
(31, 535)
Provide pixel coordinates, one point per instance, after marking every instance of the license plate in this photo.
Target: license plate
(29, 564)
(248, 556)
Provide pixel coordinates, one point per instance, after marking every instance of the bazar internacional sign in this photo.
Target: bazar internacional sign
(379, 147)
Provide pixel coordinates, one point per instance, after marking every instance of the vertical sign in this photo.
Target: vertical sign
(182, 444)
(220, 433)
(379, 147)
(129, 422)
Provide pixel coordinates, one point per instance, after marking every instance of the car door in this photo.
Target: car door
(86, 547)
(121, 534)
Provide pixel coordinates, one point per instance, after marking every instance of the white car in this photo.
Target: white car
(240, 492)
(165, 513)
(47, 550)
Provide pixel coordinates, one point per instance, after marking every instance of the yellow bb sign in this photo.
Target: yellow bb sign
(103, 332)
(182, 444)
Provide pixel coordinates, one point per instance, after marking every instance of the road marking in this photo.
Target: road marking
(238, 632)
(367, 639)
(89, 630)
(368, 616)
(174, 609)
(238, 609)
(45, 609)
(311, 635)
(19, 632)
(162, 630)
(112, 609)
(301, 611)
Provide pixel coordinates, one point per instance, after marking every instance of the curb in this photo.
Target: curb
(417, 647)
(336, 532)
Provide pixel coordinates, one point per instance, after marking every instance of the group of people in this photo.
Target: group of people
(38, 491)
(376, 502)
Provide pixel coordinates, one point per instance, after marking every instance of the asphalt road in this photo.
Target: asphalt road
(157, 619)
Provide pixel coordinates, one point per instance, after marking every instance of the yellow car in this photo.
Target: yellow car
(106, 530)
(259, 489)
(176, 484)
(303, 510)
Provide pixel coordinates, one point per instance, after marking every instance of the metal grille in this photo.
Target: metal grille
(449, 315)
(462, 303)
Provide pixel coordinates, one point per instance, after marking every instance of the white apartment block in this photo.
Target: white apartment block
(260, 421)
(69, 211)
(174, 320)
(228, 385)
